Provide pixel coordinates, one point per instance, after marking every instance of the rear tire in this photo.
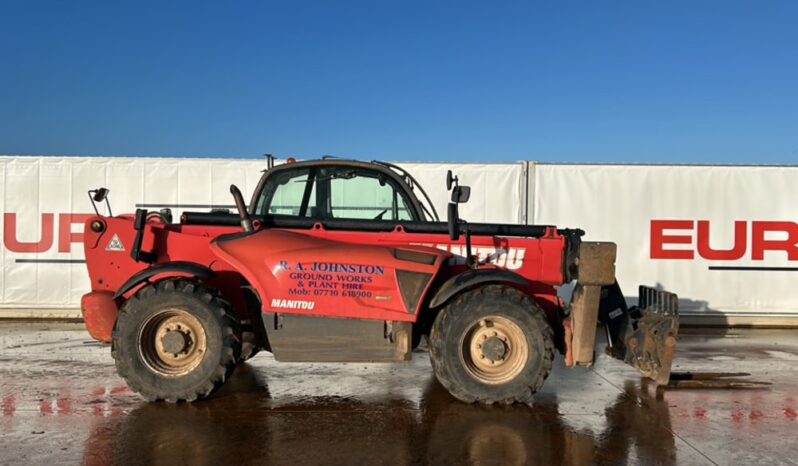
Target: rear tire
(175, 341)
(491, 345)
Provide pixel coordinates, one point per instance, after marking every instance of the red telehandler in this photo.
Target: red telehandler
(340, 260)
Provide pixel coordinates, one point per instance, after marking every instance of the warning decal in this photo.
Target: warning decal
(115, 245)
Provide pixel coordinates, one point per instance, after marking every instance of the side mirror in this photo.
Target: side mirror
(461, 194)
(453, 221)
(450, 179)
(100, 194)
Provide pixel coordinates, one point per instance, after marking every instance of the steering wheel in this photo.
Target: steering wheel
(379, 216)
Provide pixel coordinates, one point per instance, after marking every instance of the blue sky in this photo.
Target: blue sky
(576, 81)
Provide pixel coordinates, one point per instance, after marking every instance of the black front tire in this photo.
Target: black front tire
(528, 351)
(139, 345)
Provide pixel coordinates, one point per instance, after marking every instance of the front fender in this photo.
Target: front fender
(472, 278)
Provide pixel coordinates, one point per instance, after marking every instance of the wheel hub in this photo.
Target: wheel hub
(494, 350)
(172, 342)
(176, 342)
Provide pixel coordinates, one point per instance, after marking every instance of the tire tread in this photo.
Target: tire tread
(231, 341)
(491, 293)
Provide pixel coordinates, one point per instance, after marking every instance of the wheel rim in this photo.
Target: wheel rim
(172, 342)
(494, 350)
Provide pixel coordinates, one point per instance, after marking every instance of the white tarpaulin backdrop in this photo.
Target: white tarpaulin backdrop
(619, 203)
(42, 271)
(723, 217)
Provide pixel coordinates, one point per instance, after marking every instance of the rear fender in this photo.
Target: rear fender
(167, 268)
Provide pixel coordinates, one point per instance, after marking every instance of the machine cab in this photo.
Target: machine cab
(338, 189)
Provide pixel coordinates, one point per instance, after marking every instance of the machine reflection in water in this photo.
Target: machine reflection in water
(245, 424)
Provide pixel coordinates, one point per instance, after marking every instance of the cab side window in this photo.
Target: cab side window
(365, 195)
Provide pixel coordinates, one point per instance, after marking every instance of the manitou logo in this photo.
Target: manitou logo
(66, 237)
(684, 239)
(509, 258)
(292, 304)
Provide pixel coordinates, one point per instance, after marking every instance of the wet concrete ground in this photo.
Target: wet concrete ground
(63, 403)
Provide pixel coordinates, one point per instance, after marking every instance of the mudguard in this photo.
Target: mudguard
(470, 279)
(178, 267)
